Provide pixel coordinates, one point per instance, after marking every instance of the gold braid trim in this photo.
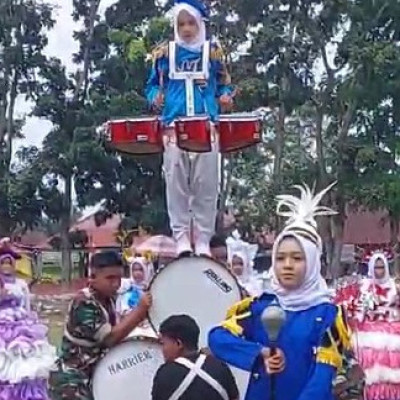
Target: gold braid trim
(344, 330)
(237, 312)
(217, 53)
(159, 51)
(335, 341)
(326, 356)
(232, 324)
(240, 307)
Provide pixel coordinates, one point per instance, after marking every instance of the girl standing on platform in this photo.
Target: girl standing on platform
(26, 357)
(191, 178)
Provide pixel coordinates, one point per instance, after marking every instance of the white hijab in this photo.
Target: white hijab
(198, 42)
(313, 290)
(247, 268)
(371, 269)
(148, 271)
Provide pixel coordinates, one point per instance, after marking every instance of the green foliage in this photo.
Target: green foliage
(326, 71)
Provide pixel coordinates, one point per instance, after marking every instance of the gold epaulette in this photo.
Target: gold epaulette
(216, 52)
(235, 314)
(160, 51)
(336, 340)
(240, 307)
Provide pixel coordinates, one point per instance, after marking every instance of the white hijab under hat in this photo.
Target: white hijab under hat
(198, 42)
(302, 226)
(313, 290)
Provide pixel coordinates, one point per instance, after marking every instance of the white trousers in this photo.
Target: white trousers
(192, 190)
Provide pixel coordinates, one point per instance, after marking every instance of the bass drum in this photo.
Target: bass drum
(195, 286)
(128, 370)
(199, 287)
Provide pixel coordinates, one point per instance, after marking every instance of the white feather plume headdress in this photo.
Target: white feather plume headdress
(302, 211)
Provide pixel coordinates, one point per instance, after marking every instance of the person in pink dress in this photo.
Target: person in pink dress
(377, 331)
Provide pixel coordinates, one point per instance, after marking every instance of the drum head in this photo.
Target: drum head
(128, 370)
(196, 286)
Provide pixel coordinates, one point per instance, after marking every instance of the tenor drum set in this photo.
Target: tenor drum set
(144, 135)
(195, 286)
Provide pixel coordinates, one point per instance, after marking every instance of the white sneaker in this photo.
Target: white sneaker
(183, 245)
(203, 249)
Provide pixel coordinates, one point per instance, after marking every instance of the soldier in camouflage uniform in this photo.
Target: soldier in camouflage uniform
(91, 329)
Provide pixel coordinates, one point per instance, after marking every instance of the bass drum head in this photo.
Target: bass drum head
(128, 370)
(196, 286)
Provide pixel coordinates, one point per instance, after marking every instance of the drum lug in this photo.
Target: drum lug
(142, 138)
(103, 133)
(107, 135)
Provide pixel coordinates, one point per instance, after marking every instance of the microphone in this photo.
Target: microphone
(273, 318)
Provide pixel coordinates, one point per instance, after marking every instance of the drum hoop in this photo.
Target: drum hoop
(140, 119)
(194, 256)
(136, 155)
(193, 118)
(140, 338)
(239, 118)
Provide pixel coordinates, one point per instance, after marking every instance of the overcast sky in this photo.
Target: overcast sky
(61, 45)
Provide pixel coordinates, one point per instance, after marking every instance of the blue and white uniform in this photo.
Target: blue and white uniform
(314, 337)
(191, 178)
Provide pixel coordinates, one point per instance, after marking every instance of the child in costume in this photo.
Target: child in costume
(191, 178)
(240, 257)
(310, 345)
(377, 331)
(26, 357)
(132, 288)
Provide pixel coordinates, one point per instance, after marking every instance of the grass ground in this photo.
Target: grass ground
(55, 325)
(53, 309)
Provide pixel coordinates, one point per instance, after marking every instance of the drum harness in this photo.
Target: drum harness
(195, 370)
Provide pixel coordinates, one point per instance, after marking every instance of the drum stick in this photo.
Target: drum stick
(161, 91)
(161, 73)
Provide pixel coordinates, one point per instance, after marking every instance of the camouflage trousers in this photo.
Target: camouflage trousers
(69, 384)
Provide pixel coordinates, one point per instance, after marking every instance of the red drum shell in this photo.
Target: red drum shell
(193, 134)
(136, 136)
(238, 133)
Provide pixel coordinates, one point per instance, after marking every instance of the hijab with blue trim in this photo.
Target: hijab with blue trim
(199, 12)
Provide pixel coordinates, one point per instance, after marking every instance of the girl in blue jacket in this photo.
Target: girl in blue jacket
(312, 340)
(191, 179)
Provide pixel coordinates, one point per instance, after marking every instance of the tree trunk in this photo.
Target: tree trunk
(83, 84)
(394, 241)
(64, 232)
(10, 120)
(4, 105)
(338, 230)
(278, 156)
